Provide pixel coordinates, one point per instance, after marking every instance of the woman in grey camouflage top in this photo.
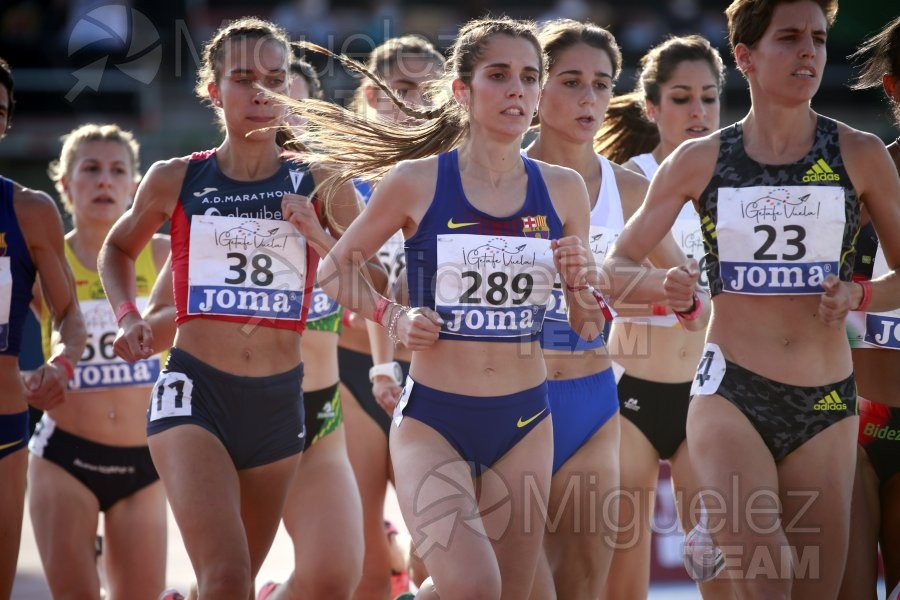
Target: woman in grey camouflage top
(772, 424)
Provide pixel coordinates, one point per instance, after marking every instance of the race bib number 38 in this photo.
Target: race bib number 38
(782, 240)
(246, 267)
(493, 286)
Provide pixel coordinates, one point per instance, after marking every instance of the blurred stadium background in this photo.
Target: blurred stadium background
(134, 62)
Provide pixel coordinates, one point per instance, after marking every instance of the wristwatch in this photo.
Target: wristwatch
(391, 369)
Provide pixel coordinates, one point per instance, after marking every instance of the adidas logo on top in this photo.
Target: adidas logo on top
(830, 402)
(820, 171)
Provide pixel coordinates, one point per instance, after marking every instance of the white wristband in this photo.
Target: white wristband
(391, 369)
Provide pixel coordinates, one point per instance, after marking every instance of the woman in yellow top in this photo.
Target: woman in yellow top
(90, 453)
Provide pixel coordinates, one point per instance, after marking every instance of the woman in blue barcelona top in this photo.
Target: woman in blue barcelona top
(486, 231)
(31, 244)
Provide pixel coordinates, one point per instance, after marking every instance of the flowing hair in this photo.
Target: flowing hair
(626, 130)
(7, 81)
(877, 56)
(352, 146)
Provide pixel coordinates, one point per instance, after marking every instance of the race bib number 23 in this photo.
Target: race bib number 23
(782, 240)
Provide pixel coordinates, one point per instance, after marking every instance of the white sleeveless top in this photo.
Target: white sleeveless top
(606, 223)
(646, 163)
(686, 232)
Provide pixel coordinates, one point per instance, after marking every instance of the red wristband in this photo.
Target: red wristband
(62, 361)
(866, 295)
(658, 310)
(608, 313)
(693, 313)
(580, 288)
(380, 307)
(125, 308)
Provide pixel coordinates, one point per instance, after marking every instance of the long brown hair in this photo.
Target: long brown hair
(7, 81)
(626, 130)
(305, 70)
(357, 147)
(561, 34)
(877, 56)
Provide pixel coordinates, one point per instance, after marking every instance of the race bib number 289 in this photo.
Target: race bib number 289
(246, 267)
(495, 286)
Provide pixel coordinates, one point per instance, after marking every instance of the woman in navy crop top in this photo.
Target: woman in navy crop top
(226, 417)
(31, 243)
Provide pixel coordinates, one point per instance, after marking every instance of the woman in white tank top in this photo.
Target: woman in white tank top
(677, 99)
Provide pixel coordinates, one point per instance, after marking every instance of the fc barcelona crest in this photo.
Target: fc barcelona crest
(536, 226)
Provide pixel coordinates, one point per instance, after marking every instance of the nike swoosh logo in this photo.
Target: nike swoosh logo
(205, 192)
(11, 444)
(452, 225)
(522, 423)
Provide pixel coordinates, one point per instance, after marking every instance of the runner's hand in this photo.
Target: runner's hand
(45, 388)
(419, 328)
(386, 393)
(571, 259)
(834, 304)
(134, 340)
(680, 285)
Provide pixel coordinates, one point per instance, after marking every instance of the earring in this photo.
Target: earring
(535, 113)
